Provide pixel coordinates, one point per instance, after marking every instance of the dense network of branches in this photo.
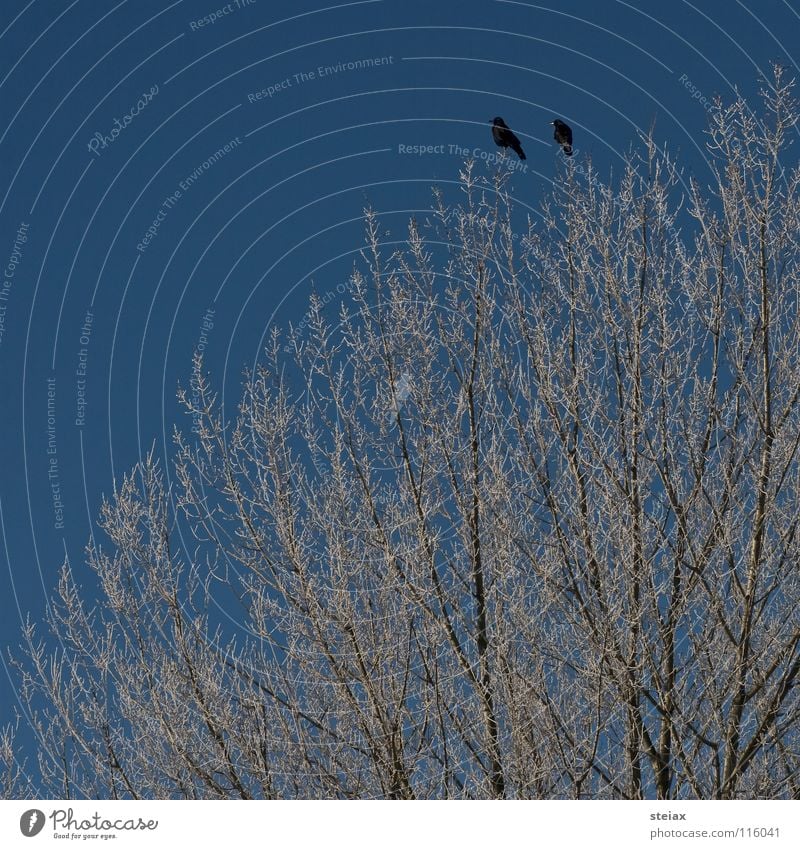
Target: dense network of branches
(520, 521)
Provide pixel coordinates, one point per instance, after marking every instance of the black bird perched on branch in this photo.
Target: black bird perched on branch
(503, 137)
(563, 135)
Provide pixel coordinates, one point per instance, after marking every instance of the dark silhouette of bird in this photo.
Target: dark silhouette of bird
(503, 137)
(563, 135)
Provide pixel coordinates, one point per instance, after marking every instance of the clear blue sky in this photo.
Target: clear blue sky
(157, 166)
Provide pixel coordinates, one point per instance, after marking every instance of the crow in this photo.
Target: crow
(563, 135)
(503, 137)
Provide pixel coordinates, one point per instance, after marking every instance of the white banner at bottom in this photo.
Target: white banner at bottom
(371, 824)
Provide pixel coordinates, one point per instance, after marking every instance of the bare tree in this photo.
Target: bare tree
(520, 523)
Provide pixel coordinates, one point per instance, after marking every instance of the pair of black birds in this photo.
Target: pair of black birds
(503, 137)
